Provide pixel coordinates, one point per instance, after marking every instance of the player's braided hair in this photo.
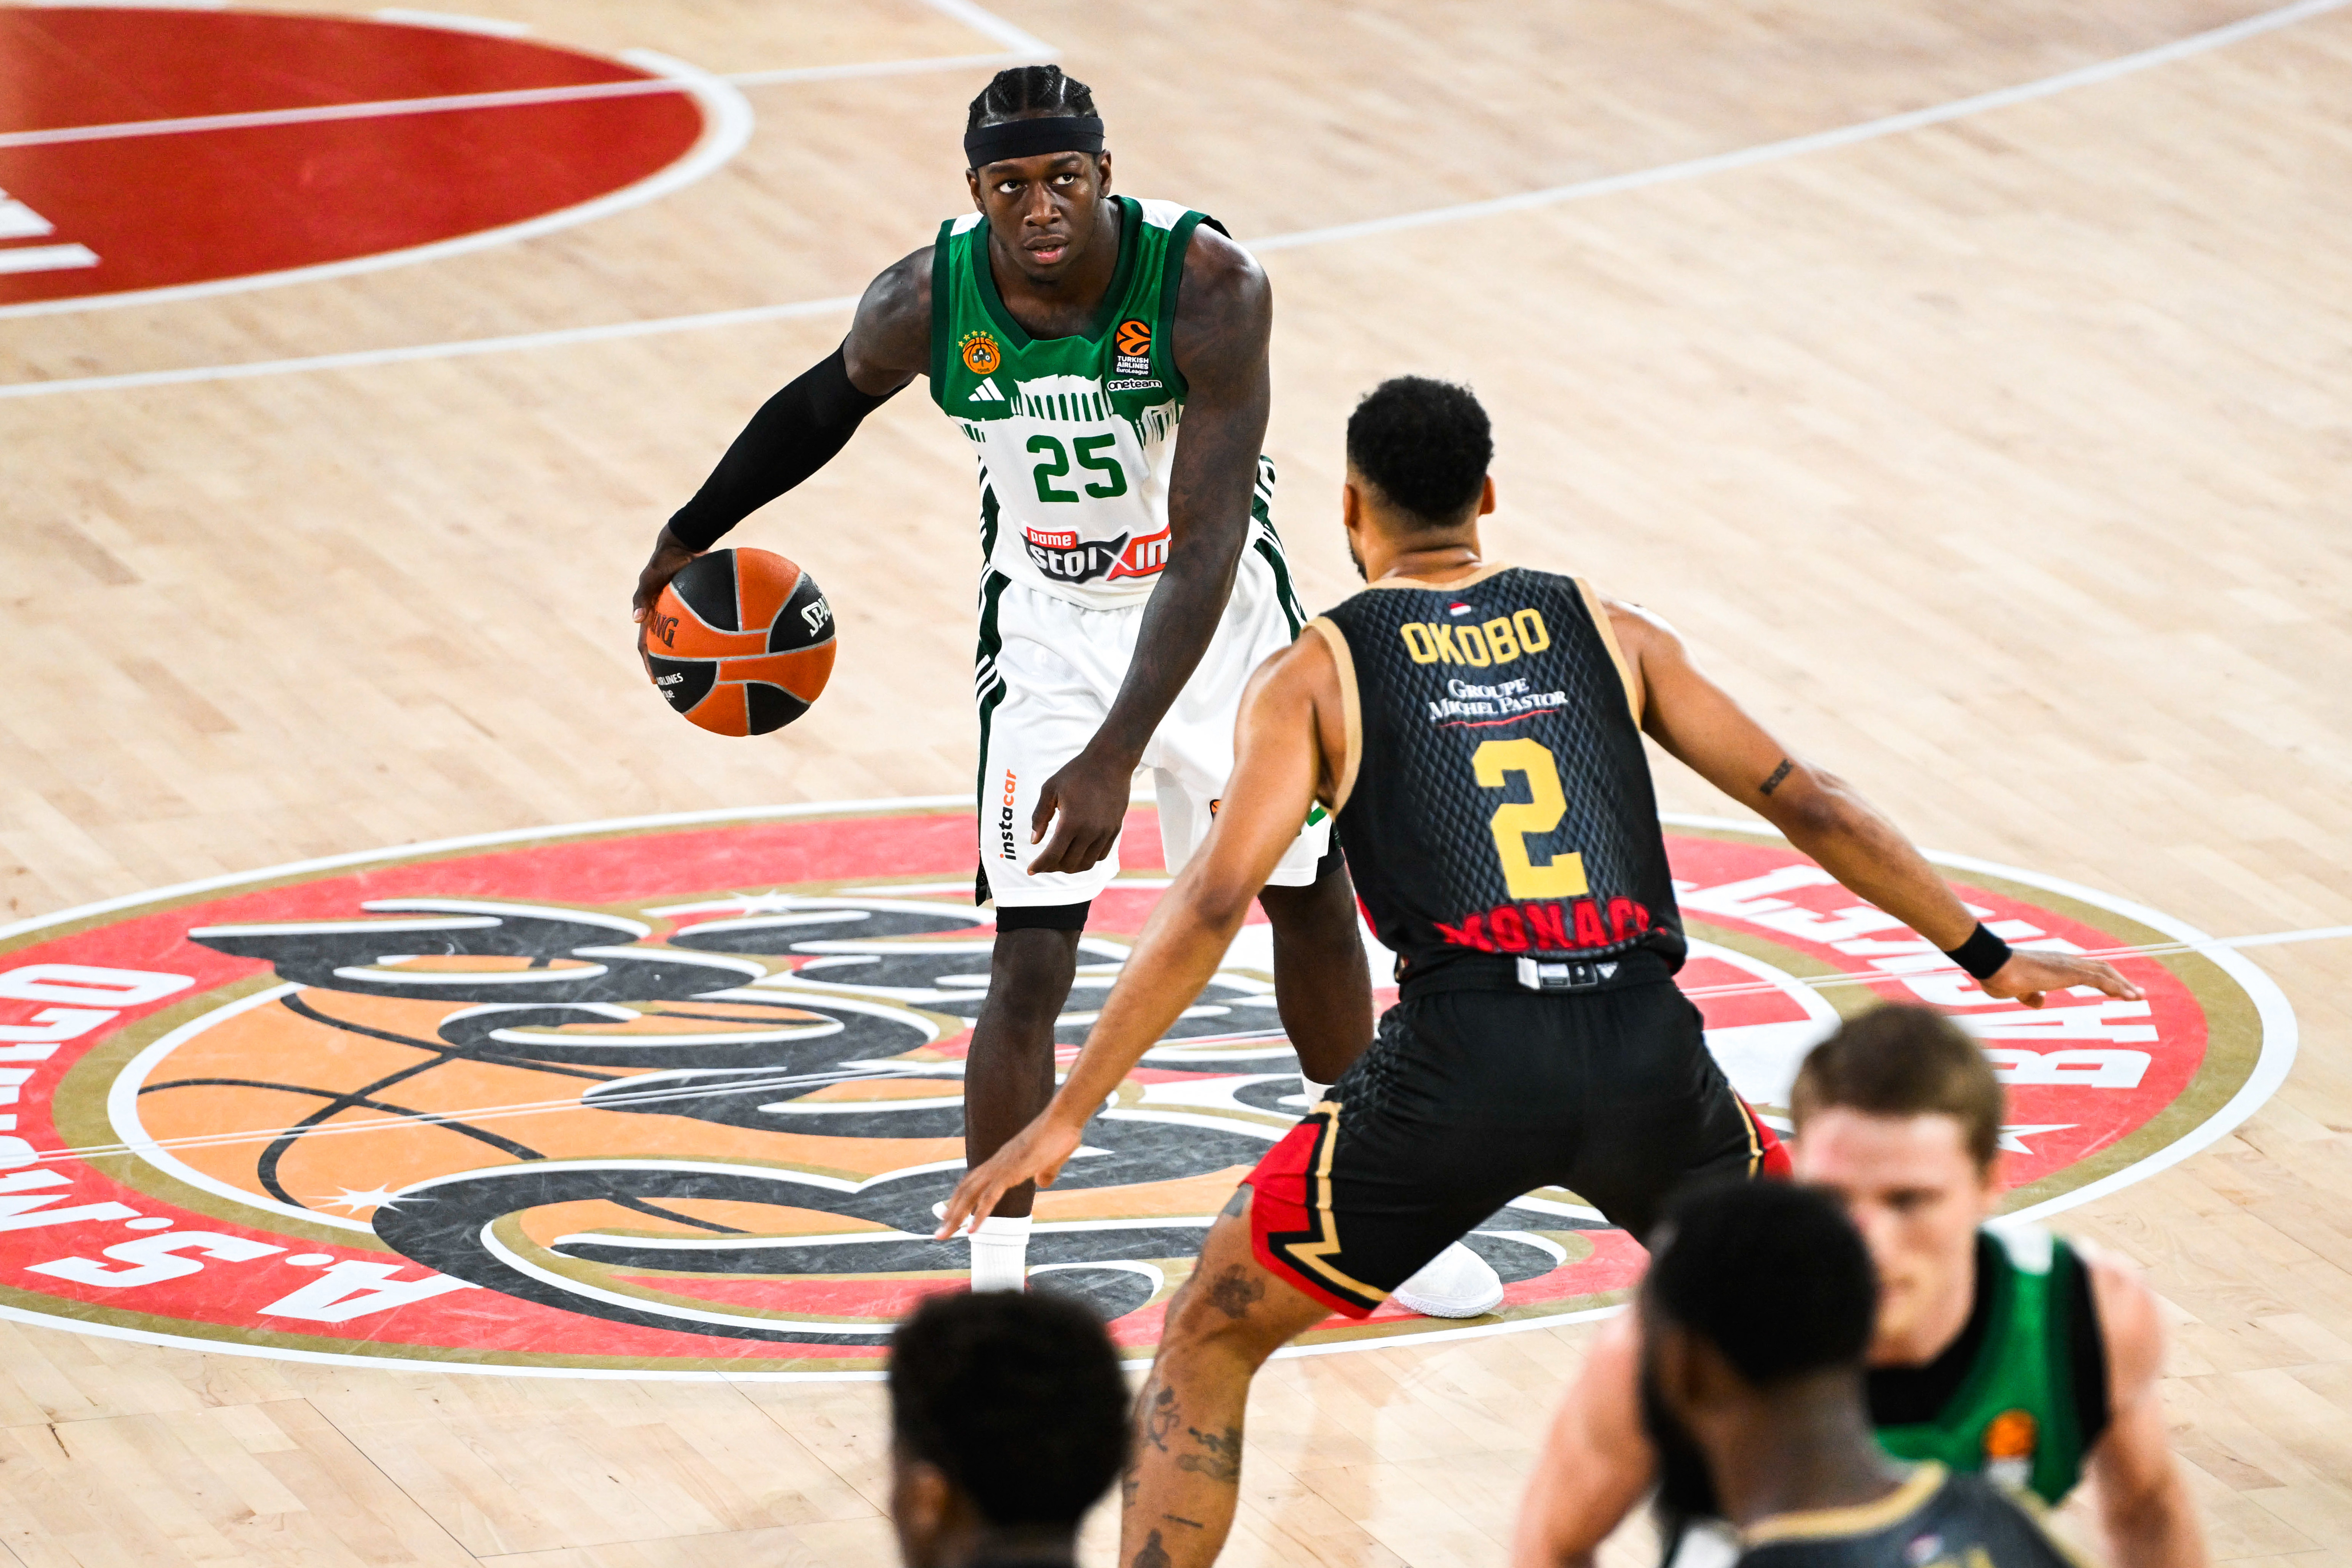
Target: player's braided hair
(1017, 1399)
(1027, 89)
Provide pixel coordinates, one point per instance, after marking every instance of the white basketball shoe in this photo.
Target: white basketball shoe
(1456, 1283)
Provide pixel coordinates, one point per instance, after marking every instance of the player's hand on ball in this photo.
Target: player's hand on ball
(2030, 976)
(1036, 1153)
(668, 558)
(1091, 794)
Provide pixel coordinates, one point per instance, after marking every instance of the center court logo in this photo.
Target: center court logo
(679, 1097)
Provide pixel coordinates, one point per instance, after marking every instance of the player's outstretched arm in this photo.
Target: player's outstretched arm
(2144, 1503)
(1596, 1461)
(1822, 815)
(798, 430)
(1278, 772)
(1224, 321)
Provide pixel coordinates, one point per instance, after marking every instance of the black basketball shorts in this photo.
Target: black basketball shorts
(1468, 1099)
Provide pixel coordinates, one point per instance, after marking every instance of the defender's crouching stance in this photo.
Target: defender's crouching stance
(1477, 730)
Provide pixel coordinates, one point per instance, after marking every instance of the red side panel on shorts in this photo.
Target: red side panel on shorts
(1282, 1212)
(1771, 1155)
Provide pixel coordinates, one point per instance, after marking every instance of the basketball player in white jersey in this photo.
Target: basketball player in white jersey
(1130, 581)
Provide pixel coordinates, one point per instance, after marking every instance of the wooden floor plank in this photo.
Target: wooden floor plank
(1997, 465)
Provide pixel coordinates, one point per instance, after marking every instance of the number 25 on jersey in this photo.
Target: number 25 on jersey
(1092, 454)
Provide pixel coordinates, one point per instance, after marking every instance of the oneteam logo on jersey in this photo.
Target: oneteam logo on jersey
(981, 354)
(1496, 642)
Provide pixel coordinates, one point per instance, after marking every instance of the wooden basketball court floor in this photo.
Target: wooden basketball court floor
(1998, 458)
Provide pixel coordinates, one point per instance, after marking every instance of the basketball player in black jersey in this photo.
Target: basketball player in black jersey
(1477, 730)
(1756, 1313)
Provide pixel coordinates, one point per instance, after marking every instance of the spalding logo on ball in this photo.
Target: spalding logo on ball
(741, 642)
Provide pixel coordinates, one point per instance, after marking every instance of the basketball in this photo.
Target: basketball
(741, 642)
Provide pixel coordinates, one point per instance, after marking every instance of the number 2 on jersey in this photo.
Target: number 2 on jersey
(1091, 455)
(1495, 762)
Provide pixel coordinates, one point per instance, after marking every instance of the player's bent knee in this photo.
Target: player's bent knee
(1233, 1306)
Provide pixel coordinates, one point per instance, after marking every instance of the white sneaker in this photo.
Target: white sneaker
(1456, 1283)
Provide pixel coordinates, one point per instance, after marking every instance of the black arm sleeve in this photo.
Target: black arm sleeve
(794, 433)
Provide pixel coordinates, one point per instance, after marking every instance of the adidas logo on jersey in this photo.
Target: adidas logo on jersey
(986, 392)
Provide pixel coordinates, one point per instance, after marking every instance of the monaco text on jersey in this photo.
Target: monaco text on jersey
(1503, 813)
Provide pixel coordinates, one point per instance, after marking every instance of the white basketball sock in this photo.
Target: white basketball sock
(1000, 1253)
(1312, 1092)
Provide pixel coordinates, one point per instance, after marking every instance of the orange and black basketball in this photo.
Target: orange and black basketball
(741, 642)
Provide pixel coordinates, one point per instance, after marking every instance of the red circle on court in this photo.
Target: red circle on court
(87, 217)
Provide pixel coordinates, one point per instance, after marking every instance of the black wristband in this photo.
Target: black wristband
(1982, 954)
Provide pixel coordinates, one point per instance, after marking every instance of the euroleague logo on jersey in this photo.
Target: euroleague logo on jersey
(679, 1097)
(981, 356)
(1133, 341)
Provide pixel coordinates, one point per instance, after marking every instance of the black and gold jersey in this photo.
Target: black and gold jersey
(1935, 1520)
(1495, 802)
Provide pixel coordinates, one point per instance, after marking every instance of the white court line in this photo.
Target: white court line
(726, 127)
(315, 113)
(1018, 46)
(1821, 141)
(989, 25)
(490, 26)
(360, 359)
(509, 97)
(46, 257)
(1690, 168)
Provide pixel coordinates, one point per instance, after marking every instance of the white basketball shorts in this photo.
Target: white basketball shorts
(1048, 672)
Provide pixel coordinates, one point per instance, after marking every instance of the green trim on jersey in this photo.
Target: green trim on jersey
(1144, 286)
(2025, 1366)
(1172, 283)
(1122, 277)
(988, 686)
(1283, 591)
(1074, 436)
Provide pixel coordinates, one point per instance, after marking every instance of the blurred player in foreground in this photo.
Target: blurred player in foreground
(1008, 1421)
(1477, 730)
(1756, 1310)
(2010, 1350)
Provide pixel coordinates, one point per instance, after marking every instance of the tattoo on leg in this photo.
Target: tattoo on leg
(1235, 1292)
(1779, 773)
(1158, 1419)
(1223, 1462)
(1179, 1519)
(1152, 1555)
